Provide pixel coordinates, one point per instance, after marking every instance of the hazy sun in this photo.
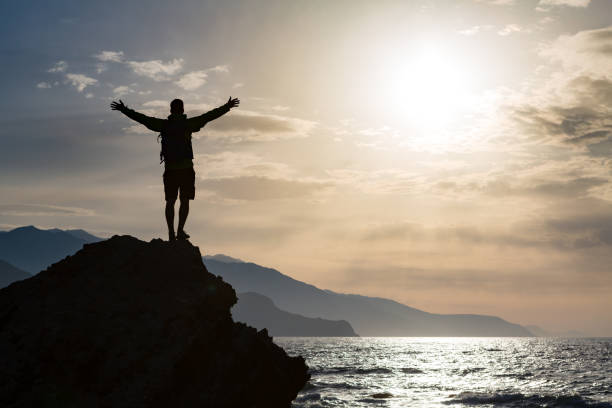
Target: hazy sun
(429, 88)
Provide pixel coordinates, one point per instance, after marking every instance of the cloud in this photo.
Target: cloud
(569, 3)
(382, 181)
(34, 210)
(100, 68)
(474, 30)
(246, 176)
(540, 182)
(157, 103)
(232, 164)
(110, 56)
(195, 79)
(137, 129)
(219, 68)
(579, 124)
(572, 103)
(466, 234)
(585, 230)
(546, 20)
(192, 80)
(43, 85)
(511, 28)
(498, 2)
(80, 81)
(122, 90)
(59, 66)
(580, 224)
(572, 189)
(253, 126)
(157, 70)
(255, 188)
(586, 51)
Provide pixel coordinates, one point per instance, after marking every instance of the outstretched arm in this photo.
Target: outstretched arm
(151, 123)
(198, 122)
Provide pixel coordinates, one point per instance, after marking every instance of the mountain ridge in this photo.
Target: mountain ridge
(9, 274)
(369, 316)
(378, 316)
(50, 246)
(260, 312)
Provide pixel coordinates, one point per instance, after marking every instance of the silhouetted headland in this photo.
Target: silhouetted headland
(129, 323)
(260, 311)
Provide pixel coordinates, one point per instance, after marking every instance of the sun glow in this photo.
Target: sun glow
(429, 89)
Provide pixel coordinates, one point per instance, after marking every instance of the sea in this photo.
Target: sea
(453, 372)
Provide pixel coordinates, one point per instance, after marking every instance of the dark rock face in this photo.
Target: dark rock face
(125, 323)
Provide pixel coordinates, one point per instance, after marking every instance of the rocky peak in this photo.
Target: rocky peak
(129, 323)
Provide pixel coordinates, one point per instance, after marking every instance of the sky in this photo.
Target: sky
(455, 156)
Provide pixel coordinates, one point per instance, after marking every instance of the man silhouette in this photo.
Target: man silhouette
(177, 154)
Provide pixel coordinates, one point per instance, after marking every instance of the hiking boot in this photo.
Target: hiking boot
(182, 235)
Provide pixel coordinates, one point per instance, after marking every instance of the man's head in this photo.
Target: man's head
(176, 106)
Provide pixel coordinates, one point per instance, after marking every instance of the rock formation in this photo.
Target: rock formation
(125, 323)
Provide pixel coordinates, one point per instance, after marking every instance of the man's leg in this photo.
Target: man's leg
(170, 218)
(187, 193)
(183, 213)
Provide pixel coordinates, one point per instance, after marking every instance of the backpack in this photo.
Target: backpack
(175, 141)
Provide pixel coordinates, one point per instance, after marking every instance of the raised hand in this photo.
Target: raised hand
(232, 103)
(118, 106)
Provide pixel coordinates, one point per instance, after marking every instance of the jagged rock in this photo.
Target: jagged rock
(125, 323)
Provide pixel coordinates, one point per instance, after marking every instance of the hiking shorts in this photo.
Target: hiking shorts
(182, 180)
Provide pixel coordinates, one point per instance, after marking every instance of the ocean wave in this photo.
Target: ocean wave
(520, 376)
(314, 396)
(521, 400)
(373, 400)
(467, 371)
(411, 370)
(375, 370)
(352, 370)
(382, 395)
(338, 385)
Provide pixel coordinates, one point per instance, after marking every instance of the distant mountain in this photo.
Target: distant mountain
(260, 312)
(222, 258)
(32, 249)
(80, 234)
(538, 331)
(369, 316)
(10, 274)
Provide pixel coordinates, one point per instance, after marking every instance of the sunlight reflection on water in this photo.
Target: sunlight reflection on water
(454, 372)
